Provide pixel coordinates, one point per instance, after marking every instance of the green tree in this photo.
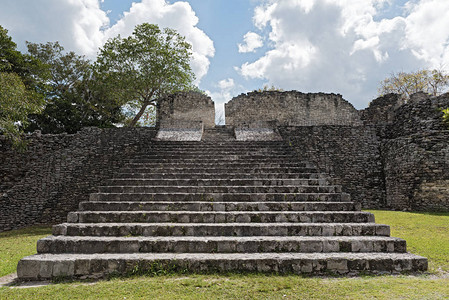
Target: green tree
(13, 61)
(16, 103)
(20, 88)
(143, 67)
(433, 82)
(74, 97)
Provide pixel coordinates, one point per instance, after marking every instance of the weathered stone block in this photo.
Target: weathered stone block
(28, 269)
(64, 268)
(338, 265)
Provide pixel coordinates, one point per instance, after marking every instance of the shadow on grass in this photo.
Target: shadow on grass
(427, 213)
(440, 214)
(28, 231)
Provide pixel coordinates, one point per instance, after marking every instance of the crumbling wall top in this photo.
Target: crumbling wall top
(186, 106)
(291, 108)
(381, 111)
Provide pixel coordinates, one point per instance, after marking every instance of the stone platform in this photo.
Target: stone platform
(216, 206)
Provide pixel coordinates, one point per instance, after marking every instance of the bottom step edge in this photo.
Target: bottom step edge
(72, 266)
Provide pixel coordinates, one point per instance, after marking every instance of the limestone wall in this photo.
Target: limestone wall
(381, 111)
(41, 185)
(416, 169)
(421, 114)
(350, 154)
(291, 109)
(415, 155)
(399, 159)
(186, 106)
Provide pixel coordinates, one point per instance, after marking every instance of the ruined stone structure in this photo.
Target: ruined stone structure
(415, 155)
(394, 156)
(184, 116)
(187, 106)
(297, 182)
(290, 109)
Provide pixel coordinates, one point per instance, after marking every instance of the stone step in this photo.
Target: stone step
(211, 197)
(216, 144)
(212, 135)
(218, 182)
(219, 217)
(187, 143)
(48, 266)
(264, 176)
(232, 151)
(221, 229)
(220, 206)
(217, 152)
(217, 164)
(298, 244)
(213, 156)
(218, 169)
(215, 161)
(218, 148)
(221, 189)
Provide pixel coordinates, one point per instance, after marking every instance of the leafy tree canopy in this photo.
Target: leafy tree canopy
(74, 97)
(13, 61)
(433, 82)
(16, 102)
(143, 67)
(19, 88)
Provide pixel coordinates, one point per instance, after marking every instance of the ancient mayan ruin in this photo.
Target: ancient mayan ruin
(280, 188)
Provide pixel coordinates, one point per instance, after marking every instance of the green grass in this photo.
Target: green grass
(241, 287)
(427, 234)
(16, 244)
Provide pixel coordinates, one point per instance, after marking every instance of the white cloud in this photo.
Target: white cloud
(262, 14)
(346, 46)
(252, 41)
(427, 31)
(226, 90)
(226, 83)
(76, 24)
(81, 25)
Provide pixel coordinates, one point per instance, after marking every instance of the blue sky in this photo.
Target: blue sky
(340, 46)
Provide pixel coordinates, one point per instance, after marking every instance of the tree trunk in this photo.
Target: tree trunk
(139, 115)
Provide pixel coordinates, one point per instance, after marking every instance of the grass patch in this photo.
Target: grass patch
(16, 244)
(427, 234)
(241, 287)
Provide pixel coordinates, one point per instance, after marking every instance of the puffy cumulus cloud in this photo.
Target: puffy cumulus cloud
(346, 46)
(427, 31)
(77, 24)
(226, 83)
(81, 25)
(252, 41)
(225, 90)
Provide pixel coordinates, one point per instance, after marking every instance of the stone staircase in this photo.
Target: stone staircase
(219, 133)
(218, 207)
